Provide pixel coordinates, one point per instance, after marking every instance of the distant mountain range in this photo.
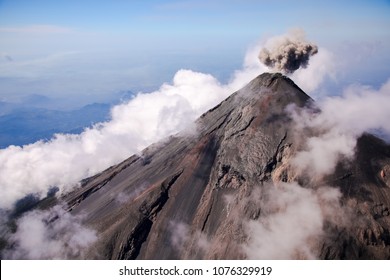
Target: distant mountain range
(21, 126)
(34, 117)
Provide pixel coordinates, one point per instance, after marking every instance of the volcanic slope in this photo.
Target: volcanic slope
(191, 196)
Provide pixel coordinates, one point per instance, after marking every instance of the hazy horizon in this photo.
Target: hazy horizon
(87, 51)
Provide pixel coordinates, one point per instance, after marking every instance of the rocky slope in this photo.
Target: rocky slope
(192, 195)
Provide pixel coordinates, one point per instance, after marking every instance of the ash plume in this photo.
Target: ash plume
(288, 53)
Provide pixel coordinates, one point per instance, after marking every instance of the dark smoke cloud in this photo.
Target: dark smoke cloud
(287, 53)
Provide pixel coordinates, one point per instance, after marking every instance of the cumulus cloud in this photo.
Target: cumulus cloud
(338, 124)
(52, 234)
(288, 53)
(65, 159)
(134, 125)
(291, 221)
(322, 68)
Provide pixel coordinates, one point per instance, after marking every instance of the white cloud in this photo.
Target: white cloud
(291, 223)
(182, 237)
(53, 234)
(145, 119)
(337, 126)
(323, 152)
(321, 67)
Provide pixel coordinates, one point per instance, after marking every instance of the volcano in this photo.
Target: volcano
(201, 194)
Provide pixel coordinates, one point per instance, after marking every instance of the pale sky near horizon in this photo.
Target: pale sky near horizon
(96, 48)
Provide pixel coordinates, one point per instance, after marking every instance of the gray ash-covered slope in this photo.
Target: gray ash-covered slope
(161, 205)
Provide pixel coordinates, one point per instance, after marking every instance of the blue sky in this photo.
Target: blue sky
(89, 50)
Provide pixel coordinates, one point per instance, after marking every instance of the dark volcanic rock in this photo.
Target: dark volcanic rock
(163, 204)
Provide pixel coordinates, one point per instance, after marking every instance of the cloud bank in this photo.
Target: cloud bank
(52, 234)
(145, 119)
(338, 124)
(148, 117)
(291, 223)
